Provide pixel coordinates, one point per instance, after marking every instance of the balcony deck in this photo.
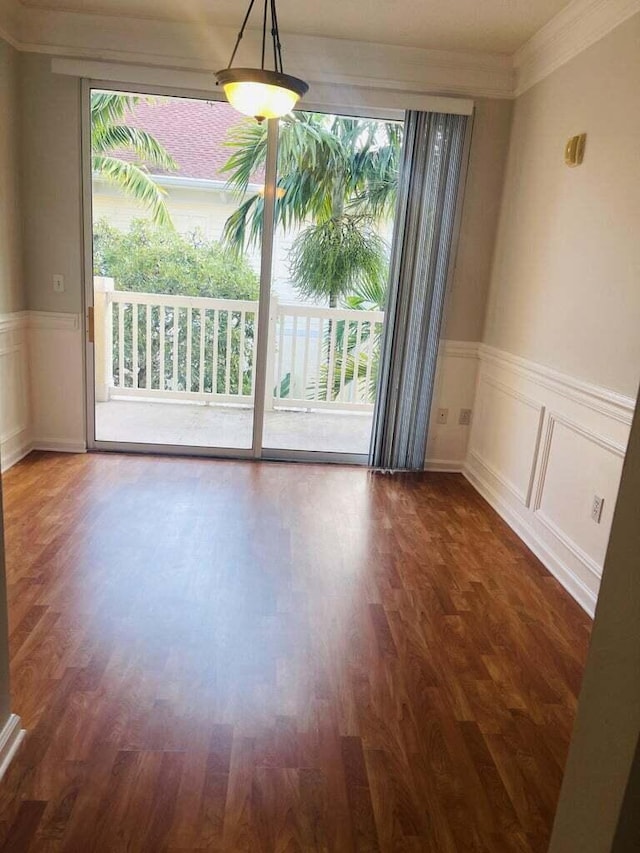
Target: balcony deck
(196, 425)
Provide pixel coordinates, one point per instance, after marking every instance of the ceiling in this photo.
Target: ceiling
(500, 26)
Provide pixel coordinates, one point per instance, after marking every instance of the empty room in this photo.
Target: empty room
(319, 360)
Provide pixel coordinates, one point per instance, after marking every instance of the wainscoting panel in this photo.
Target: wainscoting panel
(577, 465)
(542, 446)
(14, 388)
(57, 382)
(454, 390)
(506, 440)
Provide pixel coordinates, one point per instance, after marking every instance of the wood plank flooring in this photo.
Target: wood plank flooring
(231, 656)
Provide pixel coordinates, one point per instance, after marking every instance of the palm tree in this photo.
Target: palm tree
(337, 177)
(361, 363)
(109, 134)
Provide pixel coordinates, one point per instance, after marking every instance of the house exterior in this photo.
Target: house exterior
(194, 132)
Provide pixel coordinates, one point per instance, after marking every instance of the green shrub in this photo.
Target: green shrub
(147, 259)
(159, 260)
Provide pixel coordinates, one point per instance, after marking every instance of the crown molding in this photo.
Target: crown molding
(175, 45)
(180, 45)
(574, 29)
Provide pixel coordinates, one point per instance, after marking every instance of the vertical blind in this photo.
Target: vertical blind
(423, 236)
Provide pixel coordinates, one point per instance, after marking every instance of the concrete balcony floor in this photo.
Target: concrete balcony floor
(194, 425)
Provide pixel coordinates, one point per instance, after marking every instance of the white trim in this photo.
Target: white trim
(11, 737)
(143, 75)
(570, 544)
(539, 409)
(417, 74)
(15, 440)
(459, 349)
(594, 413)
(339, 91)
(597, 439)
(14, 321)
(53, 320)
(11, 457)
(553, 419)
(574, 586)
(58, 446)
(445, 466)
(513, 490)
(596, 397)
(572, 30)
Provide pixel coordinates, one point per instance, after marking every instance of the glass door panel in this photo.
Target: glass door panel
(335, 200)
(175, 311)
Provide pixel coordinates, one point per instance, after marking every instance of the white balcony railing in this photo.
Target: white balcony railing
(193, 348)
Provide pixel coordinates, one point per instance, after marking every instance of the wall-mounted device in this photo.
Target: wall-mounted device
(574, 150)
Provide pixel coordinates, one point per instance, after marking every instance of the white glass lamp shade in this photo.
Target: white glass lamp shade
(262, 94)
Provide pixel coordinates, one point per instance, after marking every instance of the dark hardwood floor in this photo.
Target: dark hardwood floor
(213, 655)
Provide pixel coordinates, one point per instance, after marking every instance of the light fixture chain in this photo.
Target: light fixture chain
(258, 92)
(264, 31)
(277, 47)
(241, 33)
(274, 35)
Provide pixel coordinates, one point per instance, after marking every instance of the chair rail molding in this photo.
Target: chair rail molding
(543, 445)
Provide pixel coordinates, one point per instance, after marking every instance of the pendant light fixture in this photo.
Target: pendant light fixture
(259, 92)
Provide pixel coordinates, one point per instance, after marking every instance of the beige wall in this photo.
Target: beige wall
(51, 185)
(464, 317)
(565, 289)
(12, 296)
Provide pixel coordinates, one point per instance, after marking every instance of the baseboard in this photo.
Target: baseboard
(56, 445)
(15, 448)
(574, 586)
(11, 737)
(446, 466)
(12, 456)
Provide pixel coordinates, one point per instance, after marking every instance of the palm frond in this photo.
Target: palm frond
(135, 182)
(249, 144)
(108, 134)
(368, 295)
(334, 257)
(243, 227)
(145, 146)
(109, 107)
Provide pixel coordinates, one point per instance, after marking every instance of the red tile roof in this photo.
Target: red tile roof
(192, 131)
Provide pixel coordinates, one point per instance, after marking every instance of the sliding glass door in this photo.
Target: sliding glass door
(174, 310)
(237, 301)
(335, 201)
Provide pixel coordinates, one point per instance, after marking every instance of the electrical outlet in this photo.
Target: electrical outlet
(58, 284)
(596, 508)
(465, 417)
(443, 414)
